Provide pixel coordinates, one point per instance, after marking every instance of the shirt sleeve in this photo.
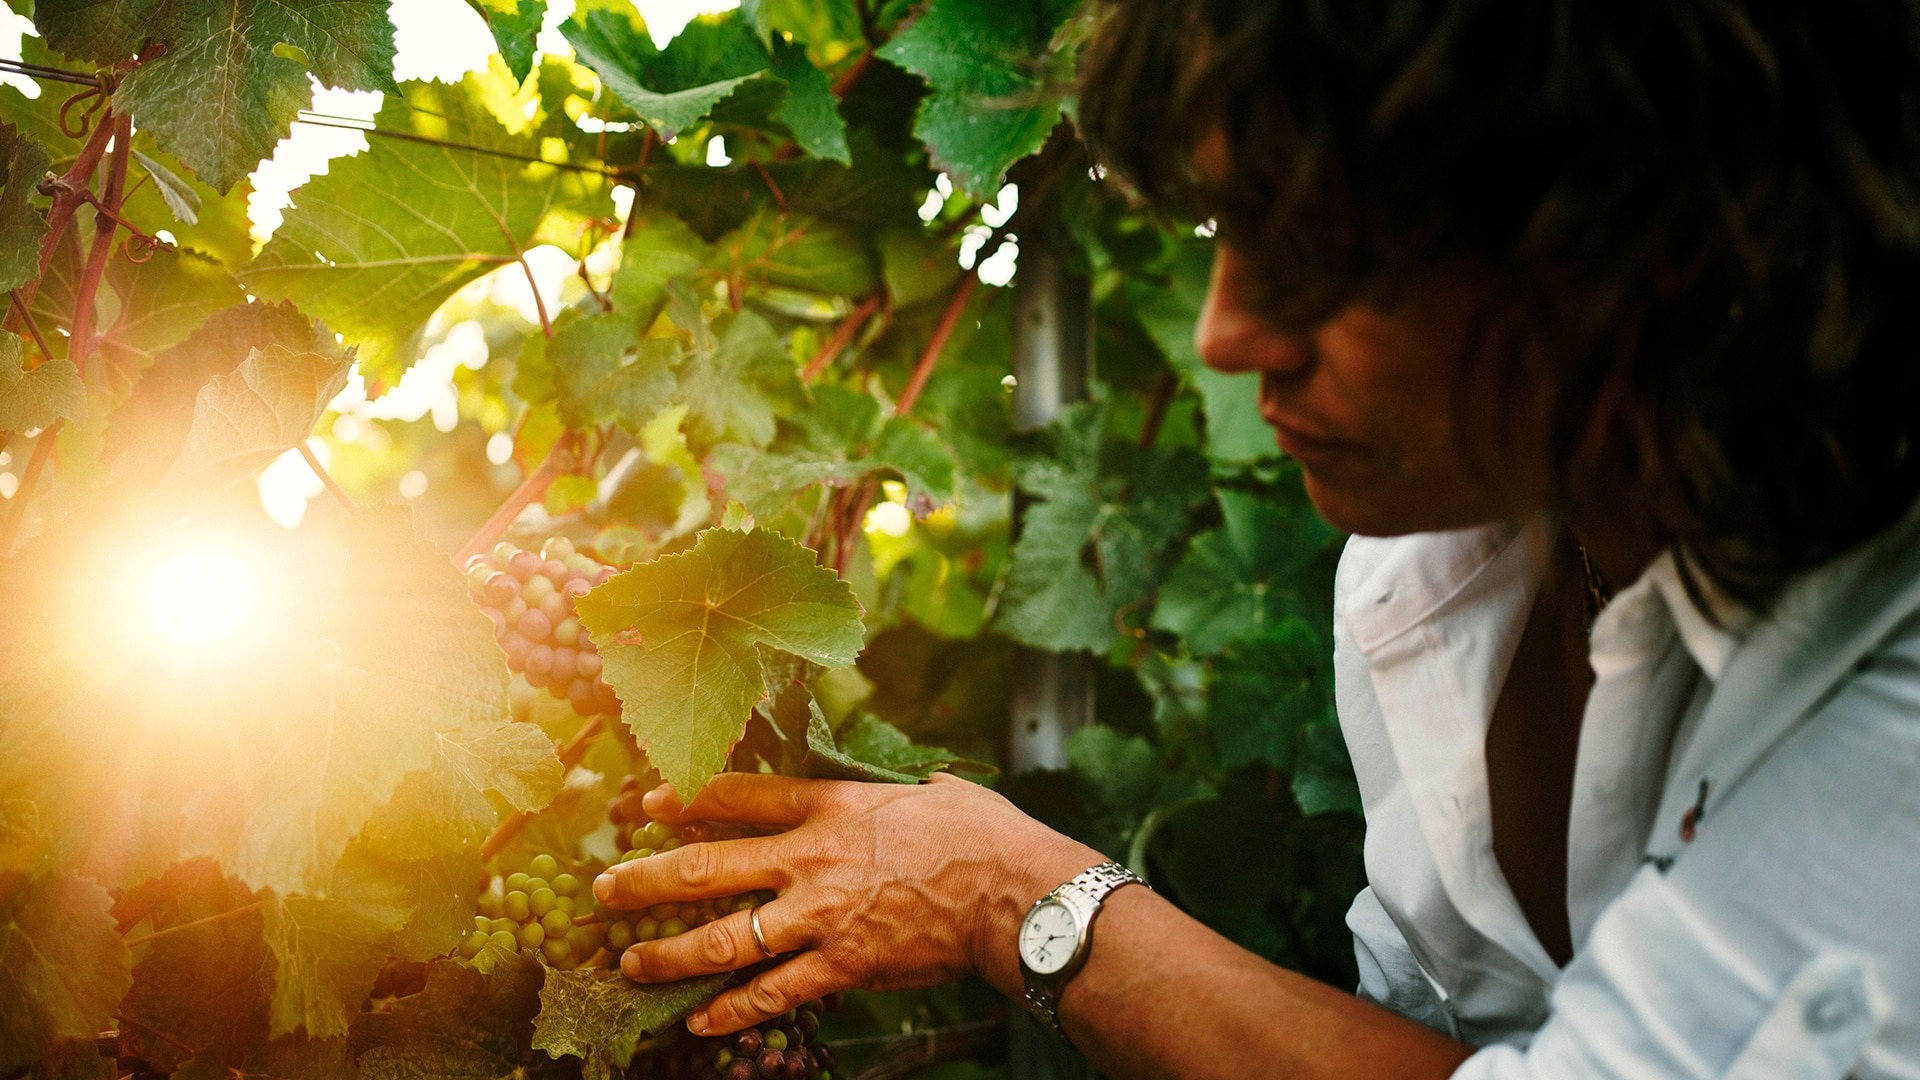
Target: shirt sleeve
(1781, 942)
(1389, 975)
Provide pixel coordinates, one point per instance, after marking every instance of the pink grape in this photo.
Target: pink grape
(499, 621)
(524, 564)
(500, 588)
(540, 660)
(580, 693)
(587, 663)
(555, 607)
(516, 648)
(566, 664)
(535, 625)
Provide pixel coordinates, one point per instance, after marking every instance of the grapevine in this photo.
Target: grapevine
(723, 441)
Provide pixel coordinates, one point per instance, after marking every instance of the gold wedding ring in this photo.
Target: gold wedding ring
(760, 939)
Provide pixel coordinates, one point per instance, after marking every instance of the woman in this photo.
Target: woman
(1544, 297)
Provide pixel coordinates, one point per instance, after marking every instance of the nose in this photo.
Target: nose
(1233, 336)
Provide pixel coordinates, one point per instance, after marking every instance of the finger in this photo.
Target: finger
(788, 986)
(748, 798)
(696, 872)
(725, 944)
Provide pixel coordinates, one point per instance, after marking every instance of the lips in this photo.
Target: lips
(1300, 438)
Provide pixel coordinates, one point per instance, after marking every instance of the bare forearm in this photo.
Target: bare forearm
(1163, 996)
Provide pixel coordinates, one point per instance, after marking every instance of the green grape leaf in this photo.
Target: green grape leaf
(220, 228)
(810, 112)
(811, 748)
(1233, 582)
(466, 1025)
(604, 372)
(875, 742)
(916, 264)
(838, 441)
(201, 992)
(723, 383)
(980, 57)
(225, 91)
(63, 969)
(22, 164)
(1323, 779)
(35, 399)
(23, 844)
(1089, 551)
(405, 655)
(443, 809)
(182, 201)
(671, 88)
(148, 431)
(289, 1057)
(72, 1059)
(376, 244)
(680, 637)
(758, 15)
(1266, 693)
(658, 249)
(328, 950)
(140, 308)
(1235, 432)
(244, 419)
(601, 1019)
(514, 25)
(799, 251)
(442, 891)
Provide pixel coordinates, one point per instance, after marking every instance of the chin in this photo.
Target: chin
(1366, 510)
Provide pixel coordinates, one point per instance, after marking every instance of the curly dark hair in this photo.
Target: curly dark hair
(1705, 212)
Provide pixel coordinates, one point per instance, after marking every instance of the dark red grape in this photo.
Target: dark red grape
(807, 1024)
(772, 1064)
(535, 626)
(746, 1042)
(795, 1066)
(740, 1069)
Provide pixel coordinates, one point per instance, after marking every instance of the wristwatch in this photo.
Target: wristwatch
(1057, 934)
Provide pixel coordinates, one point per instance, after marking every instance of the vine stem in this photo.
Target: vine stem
(326, 478)
(924, 370)
(105, 223)
(32, 325)
(539, 305)
(532, 488)
(17, 506)
(1163, 392)
(824, 356)
(243, 909)
(70, 191)
(570, 755)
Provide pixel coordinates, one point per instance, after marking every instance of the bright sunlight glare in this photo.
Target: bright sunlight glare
(201, 595)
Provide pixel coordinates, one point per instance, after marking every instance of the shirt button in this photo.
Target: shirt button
(1830, 1011)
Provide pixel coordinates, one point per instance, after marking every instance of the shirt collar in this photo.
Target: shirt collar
(1710, 634)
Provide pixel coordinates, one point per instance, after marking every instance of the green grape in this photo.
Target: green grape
(534, 885)
(674, 928)
(643, 853)
(532, 934)
(776, 1039)
(505, 924)
(516, 882)
(556, 923)
(505, 940)
(543, 866)
(585, 940)
(557, 547)
(516, 906)
(503, 552)
(482, 924)
(566, 885)
(630, 855)
(476, 941)
(567, 631)
(537, 588)
(646, 929)
(566, 904)
(672, 844)
(619, 936)
(540, 902)
(744, 903)
(722, 1057)
(555, 949)
(663, 912)
(656, 834)
(490, 904)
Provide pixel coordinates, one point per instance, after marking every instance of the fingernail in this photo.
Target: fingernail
(630, 965)
(698, 1023)
(603, 888)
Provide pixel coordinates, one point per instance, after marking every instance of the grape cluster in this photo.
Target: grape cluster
(645, 838)
(783, 1048)
(537, 912)
(530, 599)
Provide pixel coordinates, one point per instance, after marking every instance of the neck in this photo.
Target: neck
(1619, 541)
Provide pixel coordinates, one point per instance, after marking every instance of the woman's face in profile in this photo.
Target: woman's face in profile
(1395, 428)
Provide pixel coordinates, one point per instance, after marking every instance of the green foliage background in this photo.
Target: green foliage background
(225, 859)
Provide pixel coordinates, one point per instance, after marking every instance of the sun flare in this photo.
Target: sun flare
(201, 596)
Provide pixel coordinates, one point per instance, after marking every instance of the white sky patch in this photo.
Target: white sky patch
(12, 28)
(427, 387)
(1003, 206)
(305, 153)
(998, 268)
(287, 484)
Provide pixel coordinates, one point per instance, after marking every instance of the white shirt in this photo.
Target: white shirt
(1743, 877)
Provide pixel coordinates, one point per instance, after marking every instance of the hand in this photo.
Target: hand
(881, 887)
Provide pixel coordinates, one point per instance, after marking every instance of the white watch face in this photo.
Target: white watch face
(1048, 937)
